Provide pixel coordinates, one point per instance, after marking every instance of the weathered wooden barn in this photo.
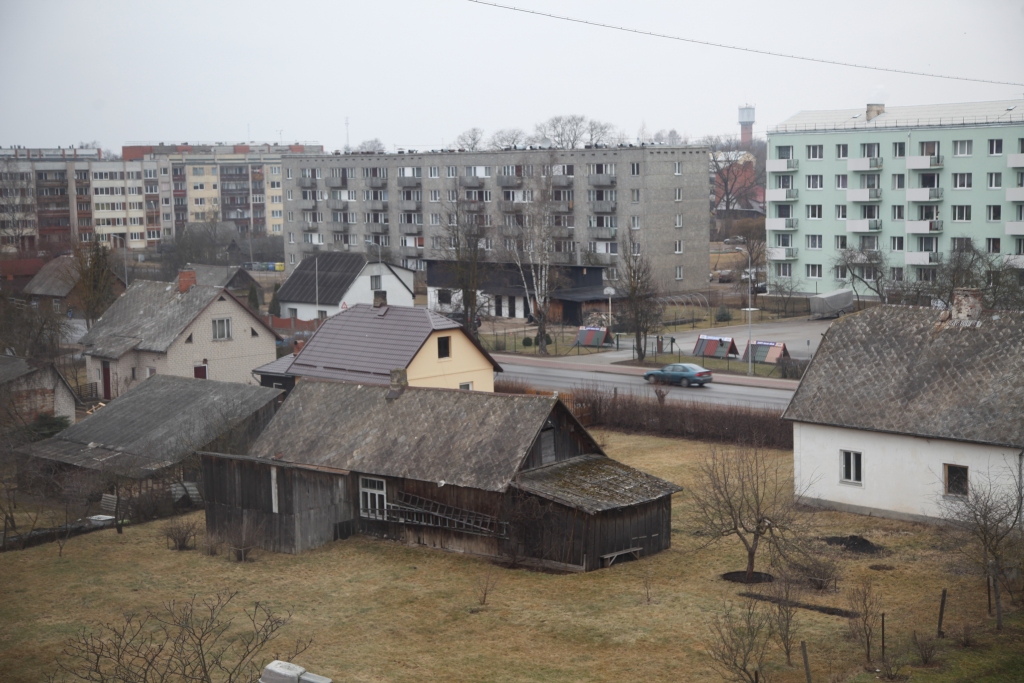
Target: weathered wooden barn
(497, 475)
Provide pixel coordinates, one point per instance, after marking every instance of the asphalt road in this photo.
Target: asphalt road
(548, 378)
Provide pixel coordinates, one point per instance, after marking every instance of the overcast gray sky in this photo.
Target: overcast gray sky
(415, 73)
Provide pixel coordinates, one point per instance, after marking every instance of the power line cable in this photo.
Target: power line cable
(740, 49)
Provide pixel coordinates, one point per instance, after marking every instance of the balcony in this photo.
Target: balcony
(561, 207)
(562, 180)
(602, 233)
(864, 164)
(510, 181)
(781, 194)
(783, 253)
(1015, 161)
(563, 258)
(602, 207)
(510, 207)
(472, 207)
(410, 228)
(310, 227)
(1015, 194)
(306, 182)
(409, 181)
(924, 227)
(1015, 228)
(305, 204)
(310, 248)
(924, 194)
(864, 225)
(922, 258)
(782, 165)
(376, 183)
(924, 163)
(866, 194)
(337, 204)
(602, 259)
(471, 181)
(336, 182)
(560, 232)
(601, 180)
(781, 223)
(410, 251)
(409, 205)
(376, 206)
(378, 228)
(334, 226)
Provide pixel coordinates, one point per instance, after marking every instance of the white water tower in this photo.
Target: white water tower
(746, 124)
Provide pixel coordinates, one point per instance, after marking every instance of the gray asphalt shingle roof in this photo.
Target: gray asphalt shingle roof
(155, 424)
(222, 276)
(364, 344)
(12, 367)
(56, 278)
(903, 370)
(332, 273)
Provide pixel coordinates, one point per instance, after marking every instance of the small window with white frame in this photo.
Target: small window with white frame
(840, 212)
(679, 272)
(679, 168)
(963, 148)
(814, 211)
(995, 148)
(815, 182)
(897, 212)
(850, 468)
(995, 181)
(842, 151)
(373, 498)
(899, 150)
(816, 152)
(679, 247)
(221, 329)
(841, 181)
(814, 271)
(814, 241)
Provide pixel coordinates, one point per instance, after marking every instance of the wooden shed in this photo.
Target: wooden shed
(496, 475)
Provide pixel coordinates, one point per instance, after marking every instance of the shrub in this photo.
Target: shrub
(536, 340)
(723, 314)
(181, 533)
(152, 505)
(527, 341)
(927, 648)
(211, 545)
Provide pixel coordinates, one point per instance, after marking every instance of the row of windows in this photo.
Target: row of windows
(513, 170)
(961, 181)
(959, 213)
(961, 148)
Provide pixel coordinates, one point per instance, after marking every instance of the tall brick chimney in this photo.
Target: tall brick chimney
(380, 298)
(967, 304)
(186, 279)
(399, 382)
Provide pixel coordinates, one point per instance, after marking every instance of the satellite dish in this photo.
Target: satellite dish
(609, 291)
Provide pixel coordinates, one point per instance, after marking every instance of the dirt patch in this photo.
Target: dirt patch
(831, 611)
(855, 544)
(741, 577)
(881, 567)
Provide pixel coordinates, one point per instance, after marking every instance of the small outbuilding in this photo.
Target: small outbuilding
(32, 389)
(496, 475)
(327, 284)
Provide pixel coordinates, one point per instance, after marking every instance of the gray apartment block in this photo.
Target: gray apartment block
(400, 203)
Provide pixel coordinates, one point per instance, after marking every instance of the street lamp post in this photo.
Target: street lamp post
(750, 313)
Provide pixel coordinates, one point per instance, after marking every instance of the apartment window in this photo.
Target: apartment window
(444, 347)
(373, 498)
(679, 272)
(453, 195)
(840, 212)
(995, 147)
(434, 172)
(783, 270)
(815, 182)
(814, 211)
(993, 245)
(839, 272)
(679, 220)
(842, 151)
(452, 171)
(963, 148)
(927, 274)
(814, 271)
(221, 329)
(851, 468)
(899, 181)
(288, 173)
(962, 181)
(679, 168)
(896, 274)
(435, 195)
(932, 243)
(679, 247)
(198, 171)
(634, 222)
(634, 196)
(814, 241)
(958, 244)
(841, 181)
(897, 212)
(375, 282)
(290, 216)
(435, 219)
(679, 194)
(956, 480)
(899, 150)
(840, 242)
(896, 243)
(636, 248)
(995, 181)
(962, 212)
(634, 168)
(611, 273)
(815, 152)
(783, 239)
(784, 152)
(995, 212)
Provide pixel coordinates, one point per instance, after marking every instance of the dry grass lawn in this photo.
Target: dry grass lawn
(380, 611)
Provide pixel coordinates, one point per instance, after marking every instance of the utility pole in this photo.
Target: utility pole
(750, 313)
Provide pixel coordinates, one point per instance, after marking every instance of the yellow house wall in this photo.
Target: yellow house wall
(466, 364)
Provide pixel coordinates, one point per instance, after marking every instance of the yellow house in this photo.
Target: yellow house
(365, 343)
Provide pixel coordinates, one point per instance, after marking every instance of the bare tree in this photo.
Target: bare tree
(984, 518)
(784, 592)
(508, 137)
(32, 331)
(92, 280)
(17, 206)
(193, 640)
(372, 145)
(867, 604)
(755, 241)
(637, 284)
(734, 173)
(783, 289)
(738, 641)
(746, 493)
(564, 132)
(670, 137)
(471, 140)
(71, 490)
(599, 132)
(868, 270)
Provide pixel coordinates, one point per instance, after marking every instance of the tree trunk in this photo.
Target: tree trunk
(542, 331)
(750, 563)
(994, 568)
(641, 349)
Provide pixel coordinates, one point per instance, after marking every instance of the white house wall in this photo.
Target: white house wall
(359, 292)
(903, 476)
(485, 303)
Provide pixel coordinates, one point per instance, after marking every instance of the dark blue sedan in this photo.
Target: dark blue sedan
(680, 373)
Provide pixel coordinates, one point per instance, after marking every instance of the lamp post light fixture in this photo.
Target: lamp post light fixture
(750, 312)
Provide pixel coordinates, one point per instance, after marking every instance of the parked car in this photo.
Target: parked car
(725, 276)
(738, 239)
(680, 373)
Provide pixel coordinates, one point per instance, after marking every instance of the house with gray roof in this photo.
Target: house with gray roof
(56, 285)
(901, 406)
(234, 278)
(495, 475)
(328, 283)
(176, 328)
(365, 343)
(153, 429)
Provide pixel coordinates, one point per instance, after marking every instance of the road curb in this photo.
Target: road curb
(719, 378)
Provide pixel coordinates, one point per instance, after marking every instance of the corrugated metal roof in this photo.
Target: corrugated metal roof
(155, 424)
(56, 278)
(900, 369)
(364, 344)
(149, 317)
(465, 438)
(962, 113)
(594, 483)
(324, 278)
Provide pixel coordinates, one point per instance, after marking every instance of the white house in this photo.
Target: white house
(902, 406)
(329, 283)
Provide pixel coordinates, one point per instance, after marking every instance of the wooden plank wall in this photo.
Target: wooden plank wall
(570, 440)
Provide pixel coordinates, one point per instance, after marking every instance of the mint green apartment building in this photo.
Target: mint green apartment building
(912, 183)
